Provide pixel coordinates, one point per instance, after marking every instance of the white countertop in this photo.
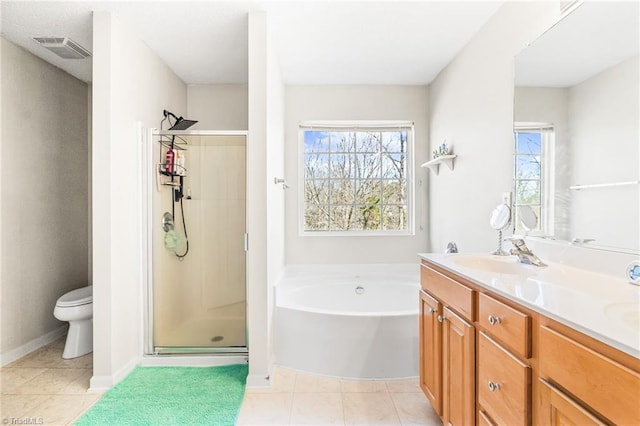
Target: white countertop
(601, 306)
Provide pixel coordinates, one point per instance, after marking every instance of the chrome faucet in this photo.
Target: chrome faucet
(524, 254)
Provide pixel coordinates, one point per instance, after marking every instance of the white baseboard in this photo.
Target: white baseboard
(104, 383)
(17, 353)
(257, 381)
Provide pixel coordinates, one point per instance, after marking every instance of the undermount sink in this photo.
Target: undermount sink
(628, 313)
(500, 265)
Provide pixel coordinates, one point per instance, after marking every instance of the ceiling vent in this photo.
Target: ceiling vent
(63, 47)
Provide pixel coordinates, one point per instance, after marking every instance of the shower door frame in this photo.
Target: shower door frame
(148, 184)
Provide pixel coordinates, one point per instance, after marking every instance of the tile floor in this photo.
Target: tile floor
(45, 389)
(304, 399)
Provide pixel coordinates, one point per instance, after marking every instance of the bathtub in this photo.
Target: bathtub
(352, 321)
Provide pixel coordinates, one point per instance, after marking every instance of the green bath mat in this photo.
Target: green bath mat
(172, 396)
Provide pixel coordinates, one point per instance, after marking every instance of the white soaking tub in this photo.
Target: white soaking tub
(353, 321)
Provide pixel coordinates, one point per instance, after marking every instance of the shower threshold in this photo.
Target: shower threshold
(200, 350)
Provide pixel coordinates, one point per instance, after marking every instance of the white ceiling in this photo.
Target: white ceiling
(594, 37)
(317, 42)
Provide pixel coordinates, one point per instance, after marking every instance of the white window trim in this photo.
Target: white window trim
(547, 202)
(356, 125)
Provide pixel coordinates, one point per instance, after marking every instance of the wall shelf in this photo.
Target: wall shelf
(434, 164)
(604, 185)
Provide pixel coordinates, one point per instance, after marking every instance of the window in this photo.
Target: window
(356, 179)
(533, 176)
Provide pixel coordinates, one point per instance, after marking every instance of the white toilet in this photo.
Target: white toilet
(76, 307)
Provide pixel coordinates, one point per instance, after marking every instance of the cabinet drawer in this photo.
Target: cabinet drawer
(505, 323)
(504, 383)
(484, 420)
(608, 387)
(450, 292)
(558, 409)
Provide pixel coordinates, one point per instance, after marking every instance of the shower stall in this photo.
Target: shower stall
(196, 242)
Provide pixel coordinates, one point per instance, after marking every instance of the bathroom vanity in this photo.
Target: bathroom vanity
(503, 343)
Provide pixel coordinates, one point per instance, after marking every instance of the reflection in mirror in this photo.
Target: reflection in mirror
(527, 217)
(576, 149)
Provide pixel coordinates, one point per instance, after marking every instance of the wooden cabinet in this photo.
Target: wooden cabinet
(509, 325)
(430, 350)
(447, 347)
(559, 409)
(504, 383)
(485, 359)
(609, 389)
(458, 370)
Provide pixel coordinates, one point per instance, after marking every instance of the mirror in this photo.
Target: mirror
(500, 217)
(576, 114)
(528, 218)
(500, 220)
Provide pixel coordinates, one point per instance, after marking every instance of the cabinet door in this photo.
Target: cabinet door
(557, 409)
(458, 374)
(430, 350)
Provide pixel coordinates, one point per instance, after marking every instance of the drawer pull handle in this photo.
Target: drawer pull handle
(432, 310)
(441, 318)
(493, 386)
(494, 320)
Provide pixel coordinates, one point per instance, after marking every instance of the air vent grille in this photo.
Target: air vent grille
(63, 47)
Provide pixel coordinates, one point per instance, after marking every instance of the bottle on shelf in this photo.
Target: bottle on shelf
(170, 161)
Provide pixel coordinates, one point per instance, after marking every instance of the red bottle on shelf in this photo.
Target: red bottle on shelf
(169, 161)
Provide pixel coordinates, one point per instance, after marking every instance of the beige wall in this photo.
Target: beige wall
(125, 97)
(355, 103)
(471, 105)
(217, 106)
(44, 194)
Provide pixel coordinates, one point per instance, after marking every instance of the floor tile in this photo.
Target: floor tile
(414, 409)
(54, 382)
(362, 386)
(12, 378)
(265, 409)
(321, 409)
(61, 409)
(46, 357)
(310, 383)
(404, 386)
(17, 406)
(369, 409)
(85, 361)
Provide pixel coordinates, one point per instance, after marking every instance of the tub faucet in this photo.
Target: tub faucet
(524, 254)
(451, 247)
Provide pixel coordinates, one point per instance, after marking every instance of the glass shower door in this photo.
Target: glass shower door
(199, 301)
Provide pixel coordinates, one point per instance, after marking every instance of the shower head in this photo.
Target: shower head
(180, 123)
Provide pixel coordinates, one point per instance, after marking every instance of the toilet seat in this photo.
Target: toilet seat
(77, 297)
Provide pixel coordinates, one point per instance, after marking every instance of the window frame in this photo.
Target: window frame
(547, 175)
(358, 126)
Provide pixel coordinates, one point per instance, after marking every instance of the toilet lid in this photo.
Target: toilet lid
(77, 297)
